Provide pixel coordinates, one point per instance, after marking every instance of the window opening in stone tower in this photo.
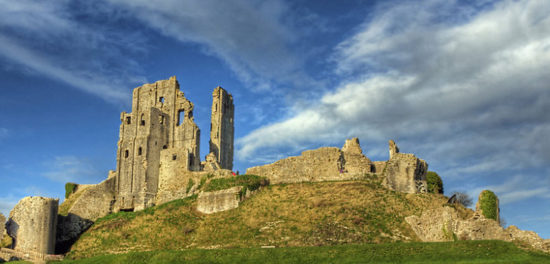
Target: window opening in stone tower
(174, 157)
(161, 99)
(139, 151)
(142, 122)
(161, 118)
(181, 116)
(126, 153)
(128, 120)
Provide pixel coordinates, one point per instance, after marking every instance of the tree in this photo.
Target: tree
(462, 198)
(435, 184)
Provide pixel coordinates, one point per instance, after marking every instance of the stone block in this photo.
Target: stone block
(218, 201)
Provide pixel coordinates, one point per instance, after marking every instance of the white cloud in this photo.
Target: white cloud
(72, 169)
(249, 35)
(467, 89)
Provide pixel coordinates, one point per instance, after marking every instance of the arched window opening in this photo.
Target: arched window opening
(181, 116)
(161, 119)
(161, 99)
(174, 157)
(142, 122)
(128, 120)
(126, 154)
(139, 151)
(164, 147)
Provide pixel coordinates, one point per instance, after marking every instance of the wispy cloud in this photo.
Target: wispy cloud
(251, 36)
(72, 169)
(519, 187)
(50, 39)
(460, 87)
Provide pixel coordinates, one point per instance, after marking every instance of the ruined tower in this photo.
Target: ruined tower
(160, 125)
(221, 127)
(33, 224)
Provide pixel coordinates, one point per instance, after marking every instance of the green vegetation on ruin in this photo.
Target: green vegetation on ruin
(435, 184)
(488, 204)
(414, 252)
(69, 189)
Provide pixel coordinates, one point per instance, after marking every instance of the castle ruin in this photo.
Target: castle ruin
(160, 135)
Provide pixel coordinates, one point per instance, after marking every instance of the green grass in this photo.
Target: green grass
(417, 252)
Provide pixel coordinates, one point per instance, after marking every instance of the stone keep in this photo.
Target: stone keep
(32, 224)
(221, 128)
(160, 125)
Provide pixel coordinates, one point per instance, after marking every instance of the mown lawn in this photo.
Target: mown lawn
(416, 252)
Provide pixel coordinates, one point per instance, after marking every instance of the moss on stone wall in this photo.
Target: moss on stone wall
(69, 189)
(435, 184)
(488, 204)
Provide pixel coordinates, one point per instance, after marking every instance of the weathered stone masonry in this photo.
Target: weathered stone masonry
(221, 128)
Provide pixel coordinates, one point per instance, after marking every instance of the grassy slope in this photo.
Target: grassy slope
(447, 252)
(308, 214)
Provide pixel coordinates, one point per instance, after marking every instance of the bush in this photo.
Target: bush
(69, 189)
(463, 198)
(435, 184)
(488, 204)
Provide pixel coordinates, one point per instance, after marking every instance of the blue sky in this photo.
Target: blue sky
(462, 84)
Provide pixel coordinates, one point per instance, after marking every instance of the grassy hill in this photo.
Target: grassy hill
(293, 215)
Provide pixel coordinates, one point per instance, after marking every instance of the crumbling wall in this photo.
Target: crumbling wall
(405, 172)
(178, 183)
(313, 165)
(33, 223)
(221, 127)
(218, 201)
(445, 224)
(355, 161)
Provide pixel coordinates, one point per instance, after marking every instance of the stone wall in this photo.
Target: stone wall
(178, 184)
(33, 224)
(218, 201)
(405, 172)
(322, 164)
(221, 127)
(445, 224)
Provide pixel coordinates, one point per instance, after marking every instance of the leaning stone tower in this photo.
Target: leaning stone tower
(221, 127)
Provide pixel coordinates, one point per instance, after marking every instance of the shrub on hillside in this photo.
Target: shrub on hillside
(435, 184)
(463, 198)
(488, 204)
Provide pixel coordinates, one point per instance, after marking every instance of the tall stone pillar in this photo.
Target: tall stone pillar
(221, 127)
(32, 224)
